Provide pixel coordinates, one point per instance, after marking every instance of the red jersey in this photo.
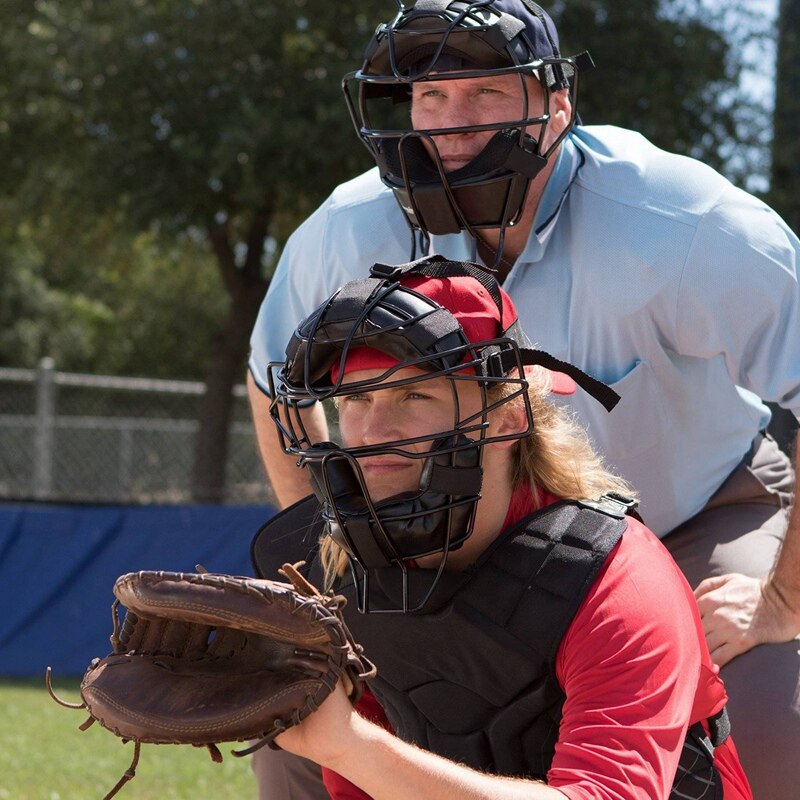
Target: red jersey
(636, 671)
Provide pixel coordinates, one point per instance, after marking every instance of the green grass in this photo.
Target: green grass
(43, 756)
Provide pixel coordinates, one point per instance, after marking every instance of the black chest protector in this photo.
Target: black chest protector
(473, 678)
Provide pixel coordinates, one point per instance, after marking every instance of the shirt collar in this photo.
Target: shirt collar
(523, 503)
(568, 163)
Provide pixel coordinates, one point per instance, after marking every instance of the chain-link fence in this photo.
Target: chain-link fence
(72, 437)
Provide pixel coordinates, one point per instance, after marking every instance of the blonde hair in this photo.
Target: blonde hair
(556, 457)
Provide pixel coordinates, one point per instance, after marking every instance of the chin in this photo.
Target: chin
(390, 490)
(379, 495)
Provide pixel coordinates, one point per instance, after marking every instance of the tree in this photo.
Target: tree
(784, 192)
(36, 316)
(670, 69)
(217, 117)
(99, 299)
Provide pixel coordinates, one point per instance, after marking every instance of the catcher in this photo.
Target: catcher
(532, 638)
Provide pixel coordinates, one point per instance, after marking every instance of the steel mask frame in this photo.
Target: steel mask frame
(295, 439)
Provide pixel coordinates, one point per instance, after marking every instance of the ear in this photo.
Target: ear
(511, 419)
(560, 101)
(560, 110)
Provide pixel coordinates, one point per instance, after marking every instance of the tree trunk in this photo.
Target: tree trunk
(784, 193)
(246, 288)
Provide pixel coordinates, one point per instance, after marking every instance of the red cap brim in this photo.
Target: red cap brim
(369, 358)
(561, 383)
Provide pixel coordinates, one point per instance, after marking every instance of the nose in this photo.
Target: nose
(461, 112)
(380, 423)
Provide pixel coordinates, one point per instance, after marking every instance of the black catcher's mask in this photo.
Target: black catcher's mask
(443, 40)
(382, 536)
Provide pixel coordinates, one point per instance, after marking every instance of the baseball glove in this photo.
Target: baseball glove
(204, 658)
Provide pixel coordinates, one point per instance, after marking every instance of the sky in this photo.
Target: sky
(770, 10)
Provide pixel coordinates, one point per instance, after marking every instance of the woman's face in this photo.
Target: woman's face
(418, 409)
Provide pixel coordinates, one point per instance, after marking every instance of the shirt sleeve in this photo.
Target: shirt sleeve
(739, 298)
(340, 788)
(296, 289)
(630, 665)
(358, 225)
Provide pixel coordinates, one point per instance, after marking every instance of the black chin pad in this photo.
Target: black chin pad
(429, 520)
(335, 483)
(422, 169)
(488, 192)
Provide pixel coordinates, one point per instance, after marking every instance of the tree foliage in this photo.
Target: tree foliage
(194, 115)
(672, 70)
(784, 194)
(188, 111)
(102, 301)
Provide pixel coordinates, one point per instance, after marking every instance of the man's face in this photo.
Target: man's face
(418, 409)
(481, 101)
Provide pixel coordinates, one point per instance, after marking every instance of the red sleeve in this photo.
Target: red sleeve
(635, 670)
(340, 788)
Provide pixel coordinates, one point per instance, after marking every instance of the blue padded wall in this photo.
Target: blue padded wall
(58, 565)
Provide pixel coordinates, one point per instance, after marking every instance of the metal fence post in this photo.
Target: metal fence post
(45, 425)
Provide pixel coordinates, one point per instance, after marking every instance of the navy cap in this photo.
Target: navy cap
(539, 27)
(516, 17)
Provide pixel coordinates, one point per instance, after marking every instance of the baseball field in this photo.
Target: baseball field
(43, 756)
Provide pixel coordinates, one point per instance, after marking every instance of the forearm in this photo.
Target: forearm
(289, 483)
(786, 577)
(387, 768)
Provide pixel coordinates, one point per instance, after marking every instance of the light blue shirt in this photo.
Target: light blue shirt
(648, 270)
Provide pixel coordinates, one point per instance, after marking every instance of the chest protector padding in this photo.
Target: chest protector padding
(472, 678)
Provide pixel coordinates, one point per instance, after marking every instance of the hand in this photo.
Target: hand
(324, 735)
(739, 613)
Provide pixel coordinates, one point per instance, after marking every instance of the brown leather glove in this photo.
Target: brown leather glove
(204, 658)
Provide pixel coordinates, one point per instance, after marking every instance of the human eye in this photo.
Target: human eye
(429, 395)
(427, 91)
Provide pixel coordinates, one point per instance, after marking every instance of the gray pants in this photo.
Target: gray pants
(740, 530)
(282, 776)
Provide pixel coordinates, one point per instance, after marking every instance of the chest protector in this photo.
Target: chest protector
(473, 677)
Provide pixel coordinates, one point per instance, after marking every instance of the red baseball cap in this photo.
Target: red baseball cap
(477, 313)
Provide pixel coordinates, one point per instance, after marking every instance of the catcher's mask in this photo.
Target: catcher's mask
(448, 320)
(445, 40)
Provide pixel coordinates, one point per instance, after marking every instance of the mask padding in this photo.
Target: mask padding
(421, 167)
